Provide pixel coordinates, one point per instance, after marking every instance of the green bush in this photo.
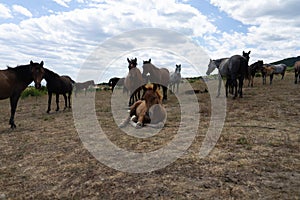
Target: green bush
(32, 91)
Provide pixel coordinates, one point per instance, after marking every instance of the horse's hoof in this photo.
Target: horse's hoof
(13, 126)
(48, 111)
(139, 125)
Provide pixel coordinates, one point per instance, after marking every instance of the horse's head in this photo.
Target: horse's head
(132, 63)
(247, 55)
(151, 95)
(178, 69)
(211, 67)
(37, 71)
(146, 69)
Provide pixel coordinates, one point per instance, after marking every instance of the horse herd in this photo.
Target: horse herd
(145, 108)
(237, 68)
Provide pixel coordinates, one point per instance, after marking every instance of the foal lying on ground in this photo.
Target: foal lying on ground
(148, 111)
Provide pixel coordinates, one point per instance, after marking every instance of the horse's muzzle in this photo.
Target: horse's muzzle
(38, 86)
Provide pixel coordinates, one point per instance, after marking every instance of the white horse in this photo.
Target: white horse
(175, 78)
(222, 66)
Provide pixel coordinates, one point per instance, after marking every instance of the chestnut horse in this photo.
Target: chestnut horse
(270, 70)
(297, 71)
(148, 111)
(13, 81)
(133, 81)
(157, 75)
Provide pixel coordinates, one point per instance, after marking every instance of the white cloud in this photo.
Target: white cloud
(5, 12)
(64, 40)
(63, 3)
(22, 10)
(273, 27)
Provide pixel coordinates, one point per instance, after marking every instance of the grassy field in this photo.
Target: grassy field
(256, 157)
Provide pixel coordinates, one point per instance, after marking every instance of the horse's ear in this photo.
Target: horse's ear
(144, 88)
(154, 87)
(128, 60)
(31, 62)
(42, 63)
(249, 52)
(150, 60)
(243, 52)
(135, 60)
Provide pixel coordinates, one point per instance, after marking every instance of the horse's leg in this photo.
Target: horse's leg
(252, 79)
(296, 76)
(57, 102)
(69, 98)
(271, 78)
(49, 101)
(241, 81)
(219, 86)
(165, 91)
(177, 87)
(227, 85)
(66, 101)
(234, 84)
(282, 75)
(13, 106)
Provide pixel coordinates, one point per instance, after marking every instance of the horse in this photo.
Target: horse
(59, 85)
(270, 70)
(113, 82)
(148, 111)
(83, 86)
(253, 69)
(237, 69)
(13, 81)
(175, 78)
(157, 75)
(133, 81)
(222, 66)
(297, 71)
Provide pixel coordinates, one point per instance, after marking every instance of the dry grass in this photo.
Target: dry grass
(257, 155)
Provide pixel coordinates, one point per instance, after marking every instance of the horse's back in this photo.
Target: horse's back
(297, 65)
(164, 76)
(237, 64)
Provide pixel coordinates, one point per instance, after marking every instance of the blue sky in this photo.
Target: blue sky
(65, 33)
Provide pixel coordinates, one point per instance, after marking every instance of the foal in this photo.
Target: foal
(149, 110)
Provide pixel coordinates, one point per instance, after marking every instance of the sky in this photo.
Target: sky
(70, 35)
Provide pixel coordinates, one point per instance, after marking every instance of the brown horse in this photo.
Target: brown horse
(159, 76)
(133, 81)
(297, 71)
(59, 85)
(148, 111)
(13, 81)
(83, 86)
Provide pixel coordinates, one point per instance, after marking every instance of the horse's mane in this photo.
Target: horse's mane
(19, 68)
(218, 61)
(158, 92)
(50, 73)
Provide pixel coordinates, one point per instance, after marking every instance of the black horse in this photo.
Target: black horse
(13, 81)
(237, 69)
(59, 85)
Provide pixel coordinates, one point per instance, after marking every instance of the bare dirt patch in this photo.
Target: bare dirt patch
(257, 155)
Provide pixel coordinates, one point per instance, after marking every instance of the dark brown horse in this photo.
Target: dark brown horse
(237, 69)
(148, 111)
(297, 71)
(13, 81)
(253, 69)
(159, 76)
(59, 85)
(133, 81)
